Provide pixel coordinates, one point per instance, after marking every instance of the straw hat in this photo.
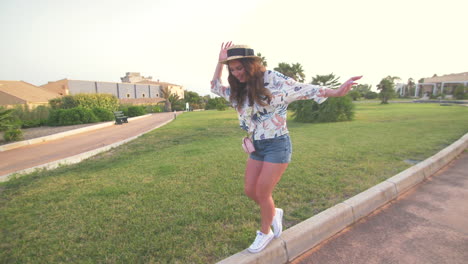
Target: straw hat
(239, 52)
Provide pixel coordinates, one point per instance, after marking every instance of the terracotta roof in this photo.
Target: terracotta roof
(454, 77)
(26, 91)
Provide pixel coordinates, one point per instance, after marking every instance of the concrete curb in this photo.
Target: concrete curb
(304, 236)
(61, 134)
(79, 157)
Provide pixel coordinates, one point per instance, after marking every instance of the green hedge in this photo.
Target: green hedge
(133, 110)
(103, 114)
(89, 101)
(73, 116)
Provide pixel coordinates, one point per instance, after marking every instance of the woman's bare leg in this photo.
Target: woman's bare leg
(252, 172)
(269, 176)
(260, 181)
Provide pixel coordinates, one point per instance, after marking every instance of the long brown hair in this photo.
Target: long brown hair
(253, 89)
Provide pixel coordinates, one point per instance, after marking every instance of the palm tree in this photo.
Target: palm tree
(326, 80)
(262, 59)
(166, 93)
(393, 78)
(294, 71)
(298, 72)
(173, 100)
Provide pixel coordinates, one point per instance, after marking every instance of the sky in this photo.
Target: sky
(178, 41)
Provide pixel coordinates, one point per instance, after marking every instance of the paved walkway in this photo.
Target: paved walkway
(429, 224)
(38, 154)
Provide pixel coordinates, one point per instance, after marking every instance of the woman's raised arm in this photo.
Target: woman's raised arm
(222, 57)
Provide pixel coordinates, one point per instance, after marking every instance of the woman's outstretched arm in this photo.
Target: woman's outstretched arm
(344, 88)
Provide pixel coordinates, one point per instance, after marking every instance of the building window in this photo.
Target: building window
(143, 95)
(128, 95)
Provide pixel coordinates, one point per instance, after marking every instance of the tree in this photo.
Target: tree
(333, 110)
(218, 103)
(411, 86)
(355, 95)
(175, 102)
(371, 95)
(386, 87)
(294, 71)
(194, 99)
(459, 92)
(361, 89)
(298, 72)
(326, 80)
(166, 93)
(262, 59)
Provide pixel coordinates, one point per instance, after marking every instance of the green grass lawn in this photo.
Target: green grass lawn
(175, 195)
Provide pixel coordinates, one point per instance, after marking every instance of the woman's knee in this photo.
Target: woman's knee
(262, 194)
(250, 192)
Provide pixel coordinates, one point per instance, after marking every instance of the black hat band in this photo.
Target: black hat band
(240, 52)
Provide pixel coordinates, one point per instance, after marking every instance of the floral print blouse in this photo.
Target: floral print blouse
(265, 122)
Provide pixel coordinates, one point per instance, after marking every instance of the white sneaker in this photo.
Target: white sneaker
(261, 241)
(277, 223)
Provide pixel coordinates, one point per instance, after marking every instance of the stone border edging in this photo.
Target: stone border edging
(304, 236)
(60, 135)
(80, 157)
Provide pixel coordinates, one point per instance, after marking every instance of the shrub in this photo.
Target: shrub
(69, 102)
(31, 117)
(335, 109)
(218, 103)
(371, 95)
(13, 134)
(89, 101)
(55, 103)
(157, 109)
(33, 123)
(355, 95)
(459, 92)
(178, 106)
(103, 114)
(5, 119)
(134, 110)
(74, 116)
(221, 107)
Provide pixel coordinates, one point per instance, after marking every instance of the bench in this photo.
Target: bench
(120, 118)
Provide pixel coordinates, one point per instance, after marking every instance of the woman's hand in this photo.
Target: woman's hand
(219, 67)
(223, 52)
(344, 88)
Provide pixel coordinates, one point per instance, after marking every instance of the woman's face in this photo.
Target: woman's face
(237, 69)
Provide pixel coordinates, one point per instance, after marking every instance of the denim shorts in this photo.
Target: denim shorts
(274, 150)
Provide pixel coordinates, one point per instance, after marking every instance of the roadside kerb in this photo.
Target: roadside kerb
(304, 236)
(76, 158)
(61, 135)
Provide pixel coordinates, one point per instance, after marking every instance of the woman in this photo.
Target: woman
(261, 99)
